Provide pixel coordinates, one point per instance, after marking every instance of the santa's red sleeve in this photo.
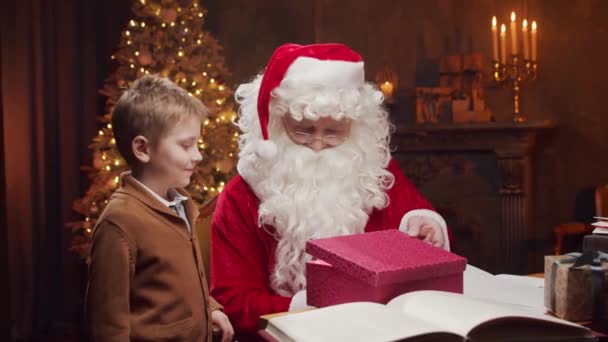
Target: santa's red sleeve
(406, 201)
(239, 261)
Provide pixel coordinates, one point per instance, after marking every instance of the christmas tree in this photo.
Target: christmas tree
(165, 37)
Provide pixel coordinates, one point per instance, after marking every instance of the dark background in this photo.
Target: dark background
(55, 56)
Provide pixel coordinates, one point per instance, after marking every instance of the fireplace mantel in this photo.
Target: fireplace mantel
(512, 144)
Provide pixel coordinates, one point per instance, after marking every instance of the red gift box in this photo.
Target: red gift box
(376, 267)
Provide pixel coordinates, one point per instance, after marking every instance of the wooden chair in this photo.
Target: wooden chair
(578, 229)
(202, 227)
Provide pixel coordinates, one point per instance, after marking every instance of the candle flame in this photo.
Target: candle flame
(533, 25)
(524, 24)
(494, 21)
(512, 16)
(503, 28)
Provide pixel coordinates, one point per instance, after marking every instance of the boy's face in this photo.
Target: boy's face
(175, 155)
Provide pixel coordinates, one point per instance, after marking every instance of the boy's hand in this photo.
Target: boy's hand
(427, 229)
(221, 320)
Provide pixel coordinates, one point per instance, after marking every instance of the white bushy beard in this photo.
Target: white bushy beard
(306, 195)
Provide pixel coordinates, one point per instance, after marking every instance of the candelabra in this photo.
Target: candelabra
(513, 74)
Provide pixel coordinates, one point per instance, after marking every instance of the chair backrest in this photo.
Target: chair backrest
(202, 226)
(601, 200)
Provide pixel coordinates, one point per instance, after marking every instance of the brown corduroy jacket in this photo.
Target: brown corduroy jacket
(146, 277)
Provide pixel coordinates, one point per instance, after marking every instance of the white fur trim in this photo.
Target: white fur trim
(266, 149)
(342, 74)
(298, 301)
(431, 214)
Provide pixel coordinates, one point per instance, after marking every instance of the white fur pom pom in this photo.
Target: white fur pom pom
(266, 149)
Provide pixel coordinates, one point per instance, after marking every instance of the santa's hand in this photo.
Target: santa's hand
(298, 301)
(427, 229)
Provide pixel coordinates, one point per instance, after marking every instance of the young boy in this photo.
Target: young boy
(146, 279)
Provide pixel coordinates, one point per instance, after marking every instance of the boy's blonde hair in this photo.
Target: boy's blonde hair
(151, 107)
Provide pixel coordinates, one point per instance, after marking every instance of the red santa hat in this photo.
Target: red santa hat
(317, 64)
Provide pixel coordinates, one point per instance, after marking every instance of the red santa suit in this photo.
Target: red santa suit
(243, 254)
(244, 250)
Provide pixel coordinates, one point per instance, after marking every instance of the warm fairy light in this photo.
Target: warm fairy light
(127, 33)
(108, 168)
(132, 66)
(109, 126)
(184, 80)
(117, 162)
(143, 24)
(172, 23)
(221, 88)
(112, 57)
(200, 15)
(206, 122)
(100, 132)
(133, 23)
(200, 140)
(194, 83)
(180, 53)
(186, 30)
(136, 53)
(218, 102)
(163, 25)
(112, 141)
(205, 188)
(103, 157)
(212, 80)
(116, 180)
(128, 42)
(198, 91)
(205, 73)
(198, 41)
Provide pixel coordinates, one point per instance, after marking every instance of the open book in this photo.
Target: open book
(425, 316)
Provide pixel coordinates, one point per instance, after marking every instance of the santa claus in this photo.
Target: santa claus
(314, 162)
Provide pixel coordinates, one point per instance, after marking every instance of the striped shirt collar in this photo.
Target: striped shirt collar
(177, 198)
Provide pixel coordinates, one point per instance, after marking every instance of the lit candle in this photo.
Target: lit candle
(533, 41)
(513, 34)
(387, 89)
(526, 39)
(494, 40)
(503, 44)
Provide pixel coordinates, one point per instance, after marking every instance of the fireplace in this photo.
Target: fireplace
(479, 177)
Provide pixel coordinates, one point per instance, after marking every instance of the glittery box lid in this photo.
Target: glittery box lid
(385, 257)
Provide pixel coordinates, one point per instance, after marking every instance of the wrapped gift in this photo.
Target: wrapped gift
(576, 286)
(595, 243)
(377, 267)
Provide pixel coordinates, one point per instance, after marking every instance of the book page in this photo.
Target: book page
(461, 314)
(522, 280)
(349, 322)
(481, 284)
